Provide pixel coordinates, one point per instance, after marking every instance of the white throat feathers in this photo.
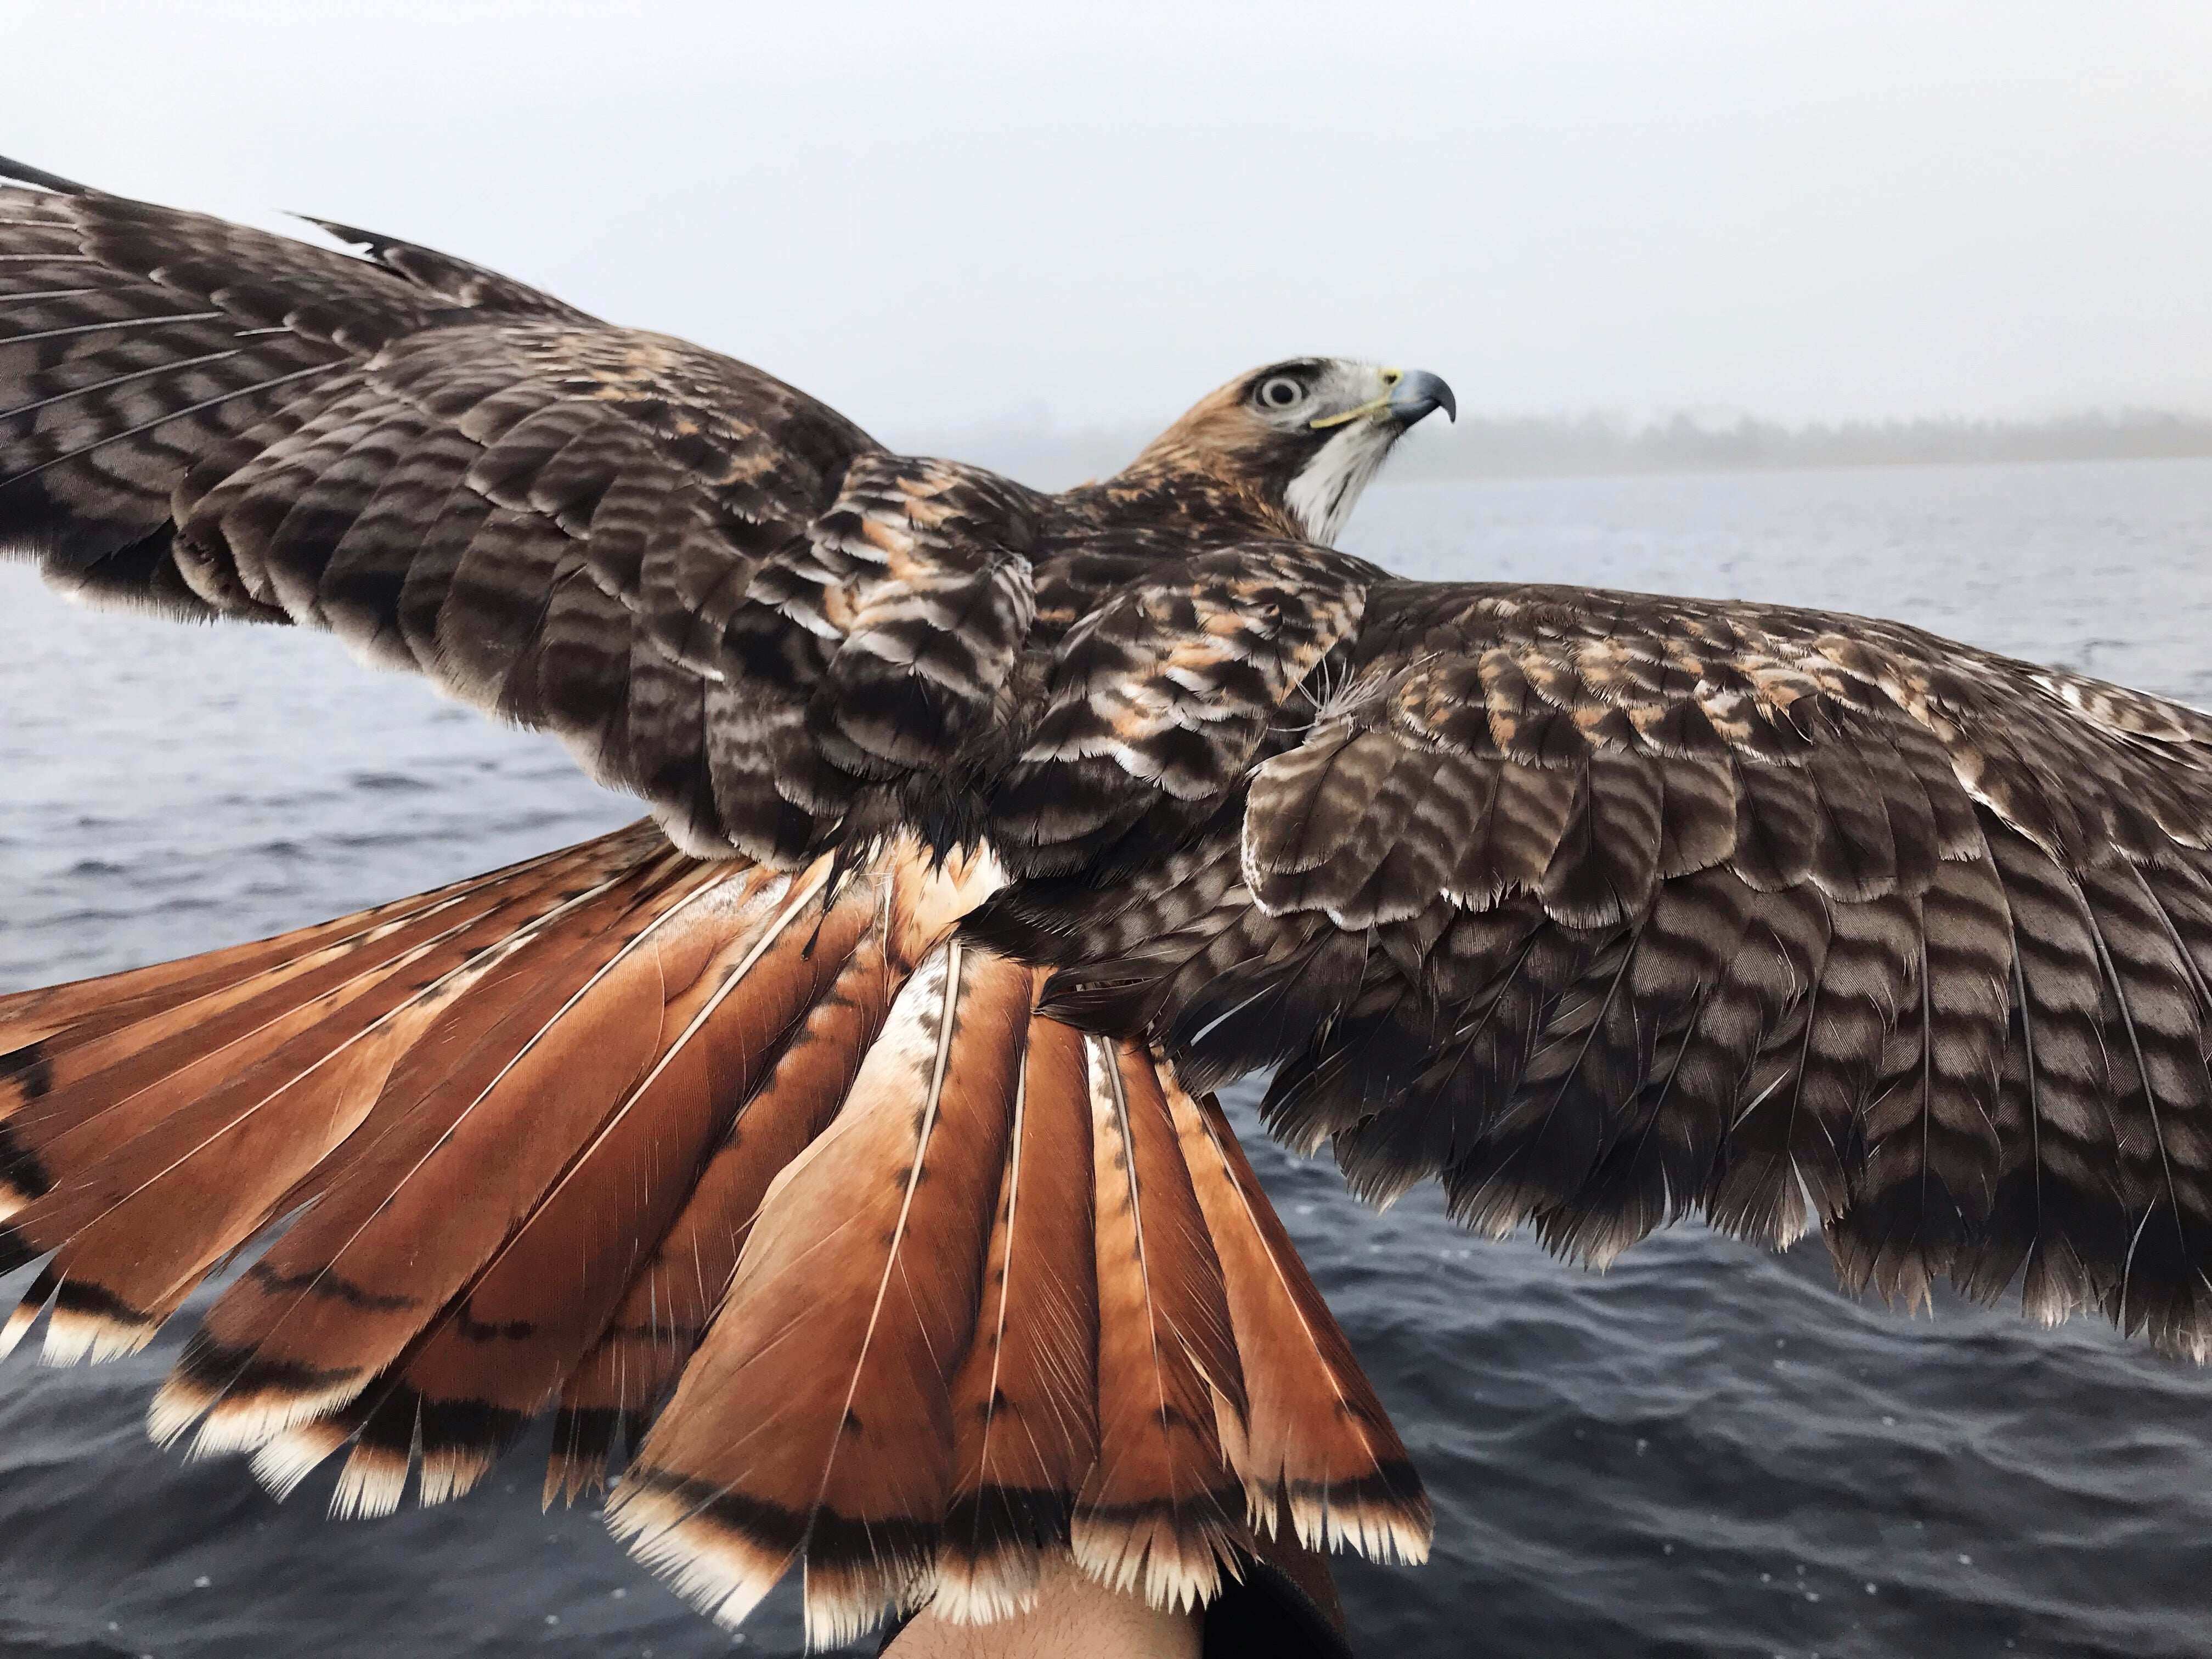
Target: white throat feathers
(1324, 494)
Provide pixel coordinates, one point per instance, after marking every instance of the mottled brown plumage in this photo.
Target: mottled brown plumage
(1608, 910)
(850, 1158)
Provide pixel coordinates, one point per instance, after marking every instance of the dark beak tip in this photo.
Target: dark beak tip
(1421, 393)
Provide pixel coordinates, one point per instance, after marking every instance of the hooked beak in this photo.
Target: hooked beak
(1405, 398)
(1418, 393)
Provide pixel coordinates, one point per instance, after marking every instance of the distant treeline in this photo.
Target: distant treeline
(1482, 446)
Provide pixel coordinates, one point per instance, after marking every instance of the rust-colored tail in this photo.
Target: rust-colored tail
(918, 1284)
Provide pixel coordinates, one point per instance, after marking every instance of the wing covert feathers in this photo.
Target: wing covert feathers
(880, 1272)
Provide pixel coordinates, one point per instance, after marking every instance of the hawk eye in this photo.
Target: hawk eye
(1281, 392)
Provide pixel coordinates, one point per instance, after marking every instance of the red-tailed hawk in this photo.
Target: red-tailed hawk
(840, 1141)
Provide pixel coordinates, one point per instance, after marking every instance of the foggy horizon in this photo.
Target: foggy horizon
(1028, 447)
(987, 216)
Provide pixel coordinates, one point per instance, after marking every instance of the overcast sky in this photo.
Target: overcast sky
(939, 215)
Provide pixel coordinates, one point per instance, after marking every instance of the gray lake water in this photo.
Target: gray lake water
(1704, 1451)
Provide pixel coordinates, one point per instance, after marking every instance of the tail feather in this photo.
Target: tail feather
(1319, 1451)
(87, 1008)
(1161, 1511)
(923, 1286)
(501, 1349)
(207, 1160)
(124, 1013)
(816, 1417)
(664, 1311)
(374, 1475)
(72, 1092)
(150, 1173)
(1025, 1418)
(480, 1117)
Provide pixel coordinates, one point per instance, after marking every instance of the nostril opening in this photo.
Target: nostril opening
(1392, 376)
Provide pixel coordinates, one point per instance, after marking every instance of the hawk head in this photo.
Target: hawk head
(1300, 439)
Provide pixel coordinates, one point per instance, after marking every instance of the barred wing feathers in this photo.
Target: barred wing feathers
(722, 594)
(1608, 909)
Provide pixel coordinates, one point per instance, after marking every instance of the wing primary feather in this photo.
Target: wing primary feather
(2162, 1289)
(113, 380)
(114, 325)
(23, 172)
(164, 418)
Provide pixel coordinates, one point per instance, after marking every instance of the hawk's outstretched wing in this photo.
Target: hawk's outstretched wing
(1608, 908)
(707, 582)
